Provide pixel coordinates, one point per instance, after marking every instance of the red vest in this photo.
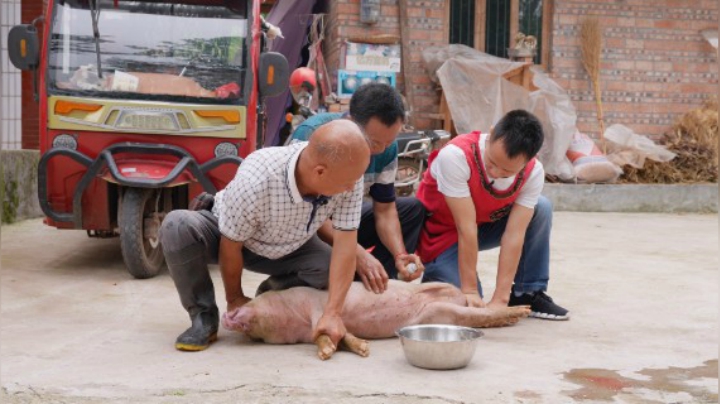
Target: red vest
(439, 232)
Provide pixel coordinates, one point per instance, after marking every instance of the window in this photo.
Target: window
(159, 51)
(491, 25)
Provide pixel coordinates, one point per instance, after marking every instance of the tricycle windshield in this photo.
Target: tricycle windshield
(149, 50)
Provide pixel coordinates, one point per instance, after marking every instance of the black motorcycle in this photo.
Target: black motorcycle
(414, 148)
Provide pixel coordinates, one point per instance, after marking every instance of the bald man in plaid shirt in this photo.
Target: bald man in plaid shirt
(266, 220)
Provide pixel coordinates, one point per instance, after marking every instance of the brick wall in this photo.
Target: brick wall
(426, 24)
(656, 64)
(30, 114)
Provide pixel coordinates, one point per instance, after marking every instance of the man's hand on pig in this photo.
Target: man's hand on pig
(497, 304)
(237, 303)
(401, 263)
(474, 300)
(499, 300)
(332, 326)
(372, 273)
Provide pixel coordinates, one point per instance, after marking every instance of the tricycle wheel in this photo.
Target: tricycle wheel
(139, 222)
(407, 170)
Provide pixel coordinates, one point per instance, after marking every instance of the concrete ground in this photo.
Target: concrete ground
(642, 289)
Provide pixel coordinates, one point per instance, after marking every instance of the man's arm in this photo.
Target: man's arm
(325, 232)
(511, 246)
(463, 211)
(387, 225)
(342, 270)
(371, 272)
(231, 267)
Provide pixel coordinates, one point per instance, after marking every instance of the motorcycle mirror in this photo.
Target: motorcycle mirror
(24, 47)
(274, 74)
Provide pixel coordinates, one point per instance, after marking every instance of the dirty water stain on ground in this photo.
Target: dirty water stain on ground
(603, 384)
(527, 394)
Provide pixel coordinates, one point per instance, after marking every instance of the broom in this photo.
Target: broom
(591, 47)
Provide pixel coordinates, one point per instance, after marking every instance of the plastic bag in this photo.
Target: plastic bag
(590, 164)
(478, 96)
(625, 147)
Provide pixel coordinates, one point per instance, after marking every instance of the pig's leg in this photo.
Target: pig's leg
(448, 313)
(325, 346)
(355, 345)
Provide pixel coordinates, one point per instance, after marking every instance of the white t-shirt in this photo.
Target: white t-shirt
(452, 173)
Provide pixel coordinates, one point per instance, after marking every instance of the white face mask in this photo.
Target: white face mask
(485, 167)
(497, 183)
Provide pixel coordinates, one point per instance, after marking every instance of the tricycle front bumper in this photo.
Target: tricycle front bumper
(106, 159)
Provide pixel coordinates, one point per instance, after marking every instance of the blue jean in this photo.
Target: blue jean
(533, 270)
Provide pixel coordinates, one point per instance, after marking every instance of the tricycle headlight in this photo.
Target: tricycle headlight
(65, 141)
(226, 149)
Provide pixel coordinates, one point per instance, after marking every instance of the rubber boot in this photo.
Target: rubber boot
(279, 282)
(201, 333)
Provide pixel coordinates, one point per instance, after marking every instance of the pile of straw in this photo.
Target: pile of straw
(694, 138)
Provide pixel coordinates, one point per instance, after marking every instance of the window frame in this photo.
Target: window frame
(480, 20)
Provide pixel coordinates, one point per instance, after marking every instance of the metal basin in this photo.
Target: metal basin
(436, 346)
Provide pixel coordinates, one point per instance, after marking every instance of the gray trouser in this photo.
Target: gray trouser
(191, 240)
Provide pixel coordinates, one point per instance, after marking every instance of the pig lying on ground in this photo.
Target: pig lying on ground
(290, 316)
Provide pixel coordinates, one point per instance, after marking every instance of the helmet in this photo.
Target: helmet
(302, 84)
(303, 77)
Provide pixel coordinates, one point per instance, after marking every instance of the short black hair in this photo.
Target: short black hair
(521, 133)
(376, 100)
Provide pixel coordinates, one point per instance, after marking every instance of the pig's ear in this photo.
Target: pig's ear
(237, 320)
(227, 322)
(231, 322)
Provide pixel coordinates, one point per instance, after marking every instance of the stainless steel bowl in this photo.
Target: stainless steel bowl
(436, 346)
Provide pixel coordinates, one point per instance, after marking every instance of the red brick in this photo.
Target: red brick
(418, 35)
(644, 65)
(644, 23)
(348, 9)
(568, 19)
(626, 22)
(565, 63)
(415, 12)
(691, 88)
(666, 24)
(635, 43)
(611, 42)
(435, 13)
(623, 65)
(578, 85)
(612, 85)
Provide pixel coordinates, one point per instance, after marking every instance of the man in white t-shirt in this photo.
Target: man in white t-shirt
(484, 191)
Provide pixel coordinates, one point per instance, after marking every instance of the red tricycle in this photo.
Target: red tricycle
(144, 104)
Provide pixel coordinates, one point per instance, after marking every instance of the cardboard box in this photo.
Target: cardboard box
(372, 57)
(349, 81)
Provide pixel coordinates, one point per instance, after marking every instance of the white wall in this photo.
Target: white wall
(10, 93)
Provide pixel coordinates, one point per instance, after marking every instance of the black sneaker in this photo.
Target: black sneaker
(541, 306)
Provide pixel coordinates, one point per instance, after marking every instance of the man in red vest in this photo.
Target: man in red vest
(483, 191)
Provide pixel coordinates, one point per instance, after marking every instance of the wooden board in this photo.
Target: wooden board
(405, 38)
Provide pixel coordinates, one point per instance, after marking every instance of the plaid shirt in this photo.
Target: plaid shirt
(263, 208)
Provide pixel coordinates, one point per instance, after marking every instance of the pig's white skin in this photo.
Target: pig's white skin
(290, 316)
